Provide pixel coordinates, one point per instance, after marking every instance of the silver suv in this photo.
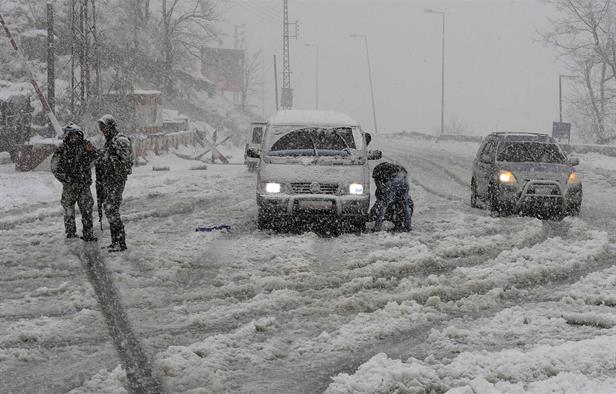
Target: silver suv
(526, 173)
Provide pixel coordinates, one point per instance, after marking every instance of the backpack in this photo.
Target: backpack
(127, 162)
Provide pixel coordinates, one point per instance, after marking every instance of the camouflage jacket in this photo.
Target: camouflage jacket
(71, 163)
(115, 159)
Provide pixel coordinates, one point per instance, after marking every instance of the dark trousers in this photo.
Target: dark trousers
(396, 190)
(111, 206)
(77, 194)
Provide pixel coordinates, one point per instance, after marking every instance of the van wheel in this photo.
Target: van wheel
(357, 225)
(263, 221)
(474, 194)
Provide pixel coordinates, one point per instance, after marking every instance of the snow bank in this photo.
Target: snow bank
(574, 367)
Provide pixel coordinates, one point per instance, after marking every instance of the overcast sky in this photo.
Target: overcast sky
(498, 76)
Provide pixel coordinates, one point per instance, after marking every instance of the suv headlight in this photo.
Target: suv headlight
(573, 178)
(272, 187)
(356, 188)
(507, 177)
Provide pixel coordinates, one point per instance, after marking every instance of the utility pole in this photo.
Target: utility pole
(84, 56)
(238, 43)
(430, 11)
(286, 97)
(560, 98)
(316, 90)
(369, 77)
(262, 86)
(276, 82)
(560, 94)
(51, 72)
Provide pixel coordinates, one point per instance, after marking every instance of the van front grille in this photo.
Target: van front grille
(305, 188)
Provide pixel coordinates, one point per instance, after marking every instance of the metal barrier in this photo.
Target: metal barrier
(159, 143)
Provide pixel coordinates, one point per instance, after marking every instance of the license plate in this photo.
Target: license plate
(317, 205)
(543, 190)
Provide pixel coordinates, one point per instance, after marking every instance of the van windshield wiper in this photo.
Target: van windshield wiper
(314, 146)
(346, 146)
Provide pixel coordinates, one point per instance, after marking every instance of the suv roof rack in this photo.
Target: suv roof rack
(517, 133)
(522, 135)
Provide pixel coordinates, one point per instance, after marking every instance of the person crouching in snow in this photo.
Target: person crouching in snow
(393, 199)
(72, 165)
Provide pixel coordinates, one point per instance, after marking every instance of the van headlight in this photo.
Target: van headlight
(272, 187)
(356, 188)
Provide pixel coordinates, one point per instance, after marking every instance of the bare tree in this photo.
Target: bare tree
(251, 76)
(585, 38)
(186, 25)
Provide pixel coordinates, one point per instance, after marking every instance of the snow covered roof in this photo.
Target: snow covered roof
(170, 115)
(11, 89)
(144, 92)
(311, 117)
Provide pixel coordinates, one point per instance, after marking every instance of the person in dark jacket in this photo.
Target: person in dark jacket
(393, 199)
(112, 169)
(72, 164)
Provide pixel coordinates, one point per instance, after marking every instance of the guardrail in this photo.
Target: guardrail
(459, 138)
(415, 134)
(608, 150)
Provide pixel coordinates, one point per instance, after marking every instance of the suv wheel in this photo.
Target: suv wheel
(474, 194)
(574, 209)
(493, 198)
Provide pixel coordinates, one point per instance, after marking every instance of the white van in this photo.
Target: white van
(313, 166)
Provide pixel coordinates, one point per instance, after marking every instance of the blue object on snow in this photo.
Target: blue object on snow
(213, 227)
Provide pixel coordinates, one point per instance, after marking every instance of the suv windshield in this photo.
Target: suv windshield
(519, 152)
(314, 141)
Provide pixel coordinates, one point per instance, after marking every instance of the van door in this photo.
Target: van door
(257, 134)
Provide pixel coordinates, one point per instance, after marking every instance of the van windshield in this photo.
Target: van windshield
(316, 141)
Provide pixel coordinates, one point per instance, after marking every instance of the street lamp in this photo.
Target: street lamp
(431, 11)
(316, 94)
(560, 94)
(369, 76)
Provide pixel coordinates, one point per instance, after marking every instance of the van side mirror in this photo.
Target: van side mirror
(374, 154)
(253, 153)
(574, 161)
(367, 138)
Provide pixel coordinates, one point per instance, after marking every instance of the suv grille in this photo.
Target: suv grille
(553, 189)
(304, 188)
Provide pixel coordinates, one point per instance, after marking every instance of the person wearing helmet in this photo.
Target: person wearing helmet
(72, 164)
(112, 169)
(393, 200)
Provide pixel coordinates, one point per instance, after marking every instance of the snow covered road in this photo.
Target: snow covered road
(467, 302)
